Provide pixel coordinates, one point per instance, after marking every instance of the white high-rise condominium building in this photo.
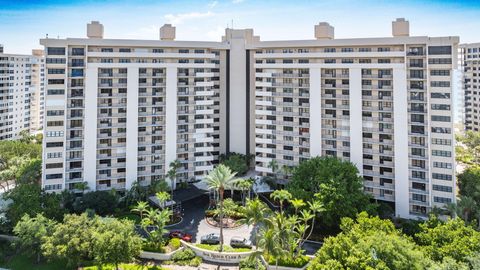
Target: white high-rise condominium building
(470, 62)
(119, 111)
(21, 85)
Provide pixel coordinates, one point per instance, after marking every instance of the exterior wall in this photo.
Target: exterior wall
(470, 64)
(131, 107)
(125, 110)
(21, 94)
(385, 105)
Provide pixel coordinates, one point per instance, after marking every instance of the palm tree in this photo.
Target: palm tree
(140, 208)
(273, 165)
(451, 209)
(172, 172)
(219, 179)
(162, 197)
(467, 205)
(255, 212)
(270, 244)
(82, 186)
(244, 185)
(281, 196)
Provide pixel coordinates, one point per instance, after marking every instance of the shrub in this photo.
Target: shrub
(174, 244)
(249, 264)
(183, 255)
(152, 248)
(298, 262)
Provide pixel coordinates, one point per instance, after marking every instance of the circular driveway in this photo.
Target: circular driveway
(194, 222)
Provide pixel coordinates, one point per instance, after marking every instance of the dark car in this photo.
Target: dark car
(240, 242)
(181, 235)
(211, 239)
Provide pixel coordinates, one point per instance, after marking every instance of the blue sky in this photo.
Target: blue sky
(24, 22)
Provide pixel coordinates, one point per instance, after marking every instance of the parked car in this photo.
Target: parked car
(181, 235)
(211, 239)
(240, 242)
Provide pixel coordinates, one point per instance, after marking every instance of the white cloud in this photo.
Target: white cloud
(216, 34)
(177, 19)
(212, 4)
(237, 1)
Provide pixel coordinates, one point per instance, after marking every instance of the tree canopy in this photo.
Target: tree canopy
(335, 183)
(451, 239)
(368, 243)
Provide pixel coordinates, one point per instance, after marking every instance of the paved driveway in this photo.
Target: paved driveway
(194, 222)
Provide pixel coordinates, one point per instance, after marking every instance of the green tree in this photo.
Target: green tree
(31, 231)
(72, 240)
(335, 183)
(255, 212)
(368, 243)
(448, 239)
(140, 208)
(115, 242)
(102, 202)
(30, 172)
(26, 200)
(281, 196)
(219, 179)
(468, 148)
(172, 173)
(237, 163)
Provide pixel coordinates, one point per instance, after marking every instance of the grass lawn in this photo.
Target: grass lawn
(130, 216)
(21, 262)
(225, 248)
(125, 266)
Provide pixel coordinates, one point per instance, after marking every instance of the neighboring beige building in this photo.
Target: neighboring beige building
(21, 86)
(470, 63)
(119, 111)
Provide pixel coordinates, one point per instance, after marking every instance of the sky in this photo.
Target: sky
(24, 22)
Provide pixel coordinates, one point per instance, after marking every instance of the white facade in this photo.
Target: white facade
(382, 103)
(470, 64)
(21, 94)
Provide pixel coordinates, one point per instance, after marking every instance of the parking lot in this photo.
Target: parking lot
(193, 222)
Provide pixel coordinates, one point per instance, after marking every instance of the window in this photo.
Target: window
(440, 118)
(54, 155)
(56, 81)
(55, 61)
(441, 153)
(54, 133)
(442, 165)
(441, 199)
(56, 51)
(442, 188)
(54, 176)
(78, 51)
(440, 84)
(441, 141)
(440, 95)
(54, 144)
(54, 123)
(438, 50)
(440, 72)
(54, 165)
(440, 61)
(53, 92)
(55, 112)
(56, 71)
(441, 130)
(441, 176)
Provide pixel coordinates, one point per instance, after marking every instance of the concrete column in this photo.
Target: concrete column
(356, 134)
(132, 127)
(400, 125)
(315, 112)
(90, 131)
(171, 118)
(238, 95)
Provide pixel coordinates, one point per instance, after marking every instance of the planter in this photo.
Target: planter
(215, 256)
(273, 267)
(158, 256)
